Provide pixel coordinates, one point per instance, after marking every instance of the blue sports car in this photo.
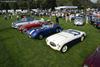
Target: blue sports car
(44, 31)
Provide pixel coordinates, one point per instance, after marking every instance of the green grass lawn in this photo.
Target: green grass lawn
(17, 50)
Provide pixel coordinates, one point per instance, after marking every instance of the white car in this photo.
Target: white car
(79, 21)
(24, 21)
(61, 41)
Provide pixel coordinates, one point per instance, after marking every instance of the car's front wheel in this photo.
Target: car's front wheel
(40, 37)
(58, 30)
(82, 38)
(24, 30)
(30, 36)
(64, 49)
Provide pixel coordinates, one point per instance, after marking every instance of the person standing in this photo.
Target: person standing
(5, 17)
(57, 19)
(66, 17)
(17, 17)
(50, 16)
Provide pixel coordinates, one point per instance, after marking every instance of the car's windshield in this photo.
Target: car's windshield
(74, 32)
(26, 19)
(45, 26)
(23, 19)
(78, 19)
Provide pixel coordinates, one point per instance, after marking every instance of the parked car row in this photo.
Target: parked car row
(36, 28)
(44, 31)
(57, 38)
(25, 27)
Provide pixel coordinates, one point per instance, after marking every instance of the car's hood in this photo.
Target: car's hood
(61, 38)
(32, 31)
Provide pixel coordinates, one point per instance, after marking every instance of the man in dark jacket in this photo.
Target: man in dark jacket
(57, 19)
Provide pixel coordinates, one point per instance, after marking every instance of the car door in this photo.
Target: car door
(46, 31)
(75, 40)
(53, 29)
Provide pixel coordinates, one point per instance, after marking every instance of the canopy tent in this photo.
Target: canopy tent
(66, 7)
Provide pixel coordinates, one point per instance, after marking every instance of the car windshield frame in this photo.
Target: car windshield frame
(78, 19)
(26, 19)
(73, 32)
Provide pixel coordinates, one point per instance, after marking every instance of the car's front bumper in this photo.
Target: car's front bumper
(53, 47)
(78, 23)
(13, 25)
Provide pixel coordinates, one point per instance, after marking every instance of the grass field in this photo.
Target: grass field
(17, 50)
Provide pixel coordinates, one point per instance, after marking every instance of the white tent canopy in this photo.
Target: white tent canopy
(65, 7)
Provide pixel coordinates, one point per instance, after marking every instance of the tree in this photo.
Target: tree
(50, 4)
(23, 5)
(64, 2)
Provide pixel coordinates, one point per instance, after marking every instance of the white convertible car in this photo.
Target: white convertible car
(61, 41)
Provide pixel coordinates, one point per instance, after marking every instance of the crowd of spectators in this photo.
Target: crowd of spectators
(67, 14)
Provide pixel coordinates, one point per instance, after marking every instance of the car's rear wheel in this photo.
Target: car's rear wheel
(40, 37)
(58, 30)
(82, 38)
(19, 26)
(24, 30)
(64, 49)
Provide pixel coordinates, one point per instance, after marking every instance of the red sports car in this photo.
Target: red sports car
(93, 60)
(23, 28)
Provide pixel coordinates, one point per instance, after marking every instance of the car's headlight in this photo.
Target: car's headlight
(47, 40)
(85, 65)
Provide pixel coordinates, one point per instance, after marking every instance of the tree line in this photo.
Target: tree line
(45, 4)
